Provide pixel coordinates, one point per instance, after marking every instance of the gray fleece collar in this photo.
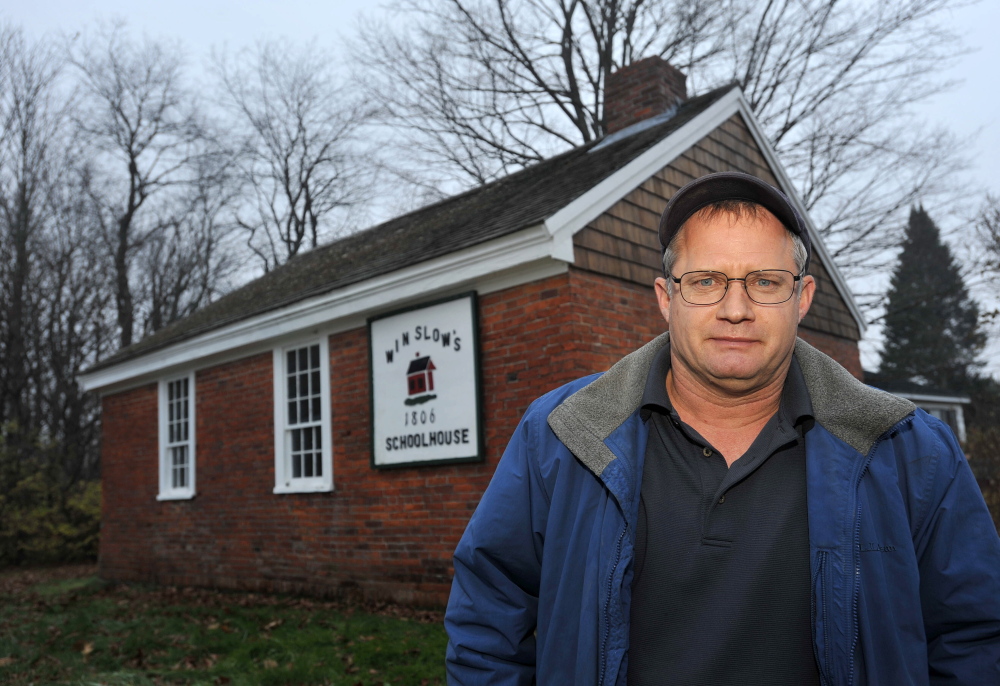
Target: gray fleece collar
(853, 412)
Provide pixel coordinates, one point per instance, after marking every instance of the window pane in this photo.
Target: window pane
(319, 465)
(303, 410)
(178, 458)
(309, 439)
(314, 355)
(303, 384)
(296, 466)
(316, 405)
(290, 360)
(315, 383)
(309, 464)
(303, 358)
(318, 437)
(292, 388)
(296, 440)
(293, 412)
(179, 477)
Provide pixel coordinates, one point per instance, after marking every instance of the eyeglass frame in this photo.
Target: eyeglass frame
(795, 279)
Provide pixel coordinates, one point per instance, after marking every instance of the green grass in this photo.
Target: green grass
(81, 631)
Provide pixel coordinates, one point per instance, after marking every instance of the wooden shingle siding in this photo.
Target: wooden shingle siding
(623, 241)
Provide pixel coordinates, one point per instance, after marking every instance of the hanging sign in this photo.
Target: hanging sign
(425, 384)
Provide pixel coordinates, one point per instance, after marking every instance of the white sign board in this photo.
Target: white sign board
(425, 384)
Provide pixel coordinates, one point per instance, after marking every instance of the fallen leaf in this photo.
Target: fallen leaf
(213, 626)
(87, 649)
(270, 664)
(4, 661)
(273, 625)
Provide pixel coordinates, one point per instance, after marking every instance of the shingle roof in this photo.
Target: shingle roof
(518, 201)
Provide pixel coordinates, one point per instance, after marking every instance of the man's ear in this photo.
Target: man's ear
(662, 289)
(806, 298)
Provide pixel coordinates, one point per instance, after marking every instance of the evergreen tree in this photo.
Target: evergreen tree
(931, 323)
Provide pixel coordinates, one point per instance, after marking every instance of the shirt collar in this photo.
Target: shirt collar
(654, 396)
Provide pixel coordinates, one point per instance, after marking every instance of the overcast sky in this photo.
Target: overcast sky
(970, 109)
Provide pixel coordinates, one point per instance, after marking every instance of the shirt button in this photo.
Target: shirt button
(722, 500)
(707, 452)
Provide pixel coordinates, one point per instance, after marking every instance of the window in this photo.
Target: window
(177, 438)
(302, 445)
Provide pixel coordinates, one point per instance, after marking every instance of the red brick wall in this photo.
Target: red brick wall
(388, 533)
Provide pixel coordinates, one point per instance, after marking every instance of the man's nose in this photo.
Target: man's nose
(736, 305)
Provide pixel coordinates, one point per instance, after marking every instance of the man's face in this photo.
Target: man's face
(735, 345)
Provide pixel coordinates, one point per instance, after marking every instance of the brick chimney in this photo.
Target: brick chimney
(642, 90)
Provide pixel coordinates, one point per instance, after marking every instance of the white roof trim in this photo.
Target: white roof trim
(527, 255)
(520, 257)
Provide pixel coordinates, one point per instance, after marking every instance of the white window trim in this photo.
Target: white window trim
(166, 491)
(283, 481)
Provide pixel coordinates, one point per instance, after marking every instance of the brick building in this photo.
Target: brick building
(238, 447)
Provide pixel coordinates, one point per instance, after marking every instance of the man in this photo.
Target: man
(727, 505)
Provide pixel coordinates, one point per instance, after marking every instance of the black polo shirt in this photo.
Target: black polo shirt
(721, 592)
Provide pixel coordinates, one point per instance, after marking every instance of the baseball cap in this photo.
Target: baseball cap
(730, 186)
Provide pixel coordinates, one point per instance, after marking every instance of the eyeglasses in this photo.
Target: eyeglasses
(764, 287)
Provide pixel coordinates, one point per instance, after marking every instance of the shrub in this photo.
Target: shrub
(44, 517)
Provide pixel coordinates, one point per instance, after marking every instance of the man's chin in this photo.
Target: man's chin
(742, 372)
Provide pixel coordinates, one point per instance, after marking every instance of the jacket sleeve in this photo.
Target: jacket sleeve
(958, 551)
(493, 606)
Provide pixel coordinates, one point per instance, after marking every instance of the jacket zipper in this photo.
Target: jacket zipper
(820, 569)
(855, 554)
(607, 605)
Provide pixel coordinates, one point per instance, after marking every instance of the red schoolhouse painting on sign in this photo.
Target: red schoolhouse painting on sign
(420, 380)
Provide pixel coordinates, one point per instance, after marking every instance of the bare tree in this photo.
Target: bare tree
(299, 139)
(144, 131)
(989, 235)
(76, 325)
(31, 128)
(484, 87)
(191, 258)
(479, 88)
(52, 300)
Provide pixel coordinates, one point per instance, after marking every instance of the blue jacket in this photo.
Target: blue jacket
(905, 558)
